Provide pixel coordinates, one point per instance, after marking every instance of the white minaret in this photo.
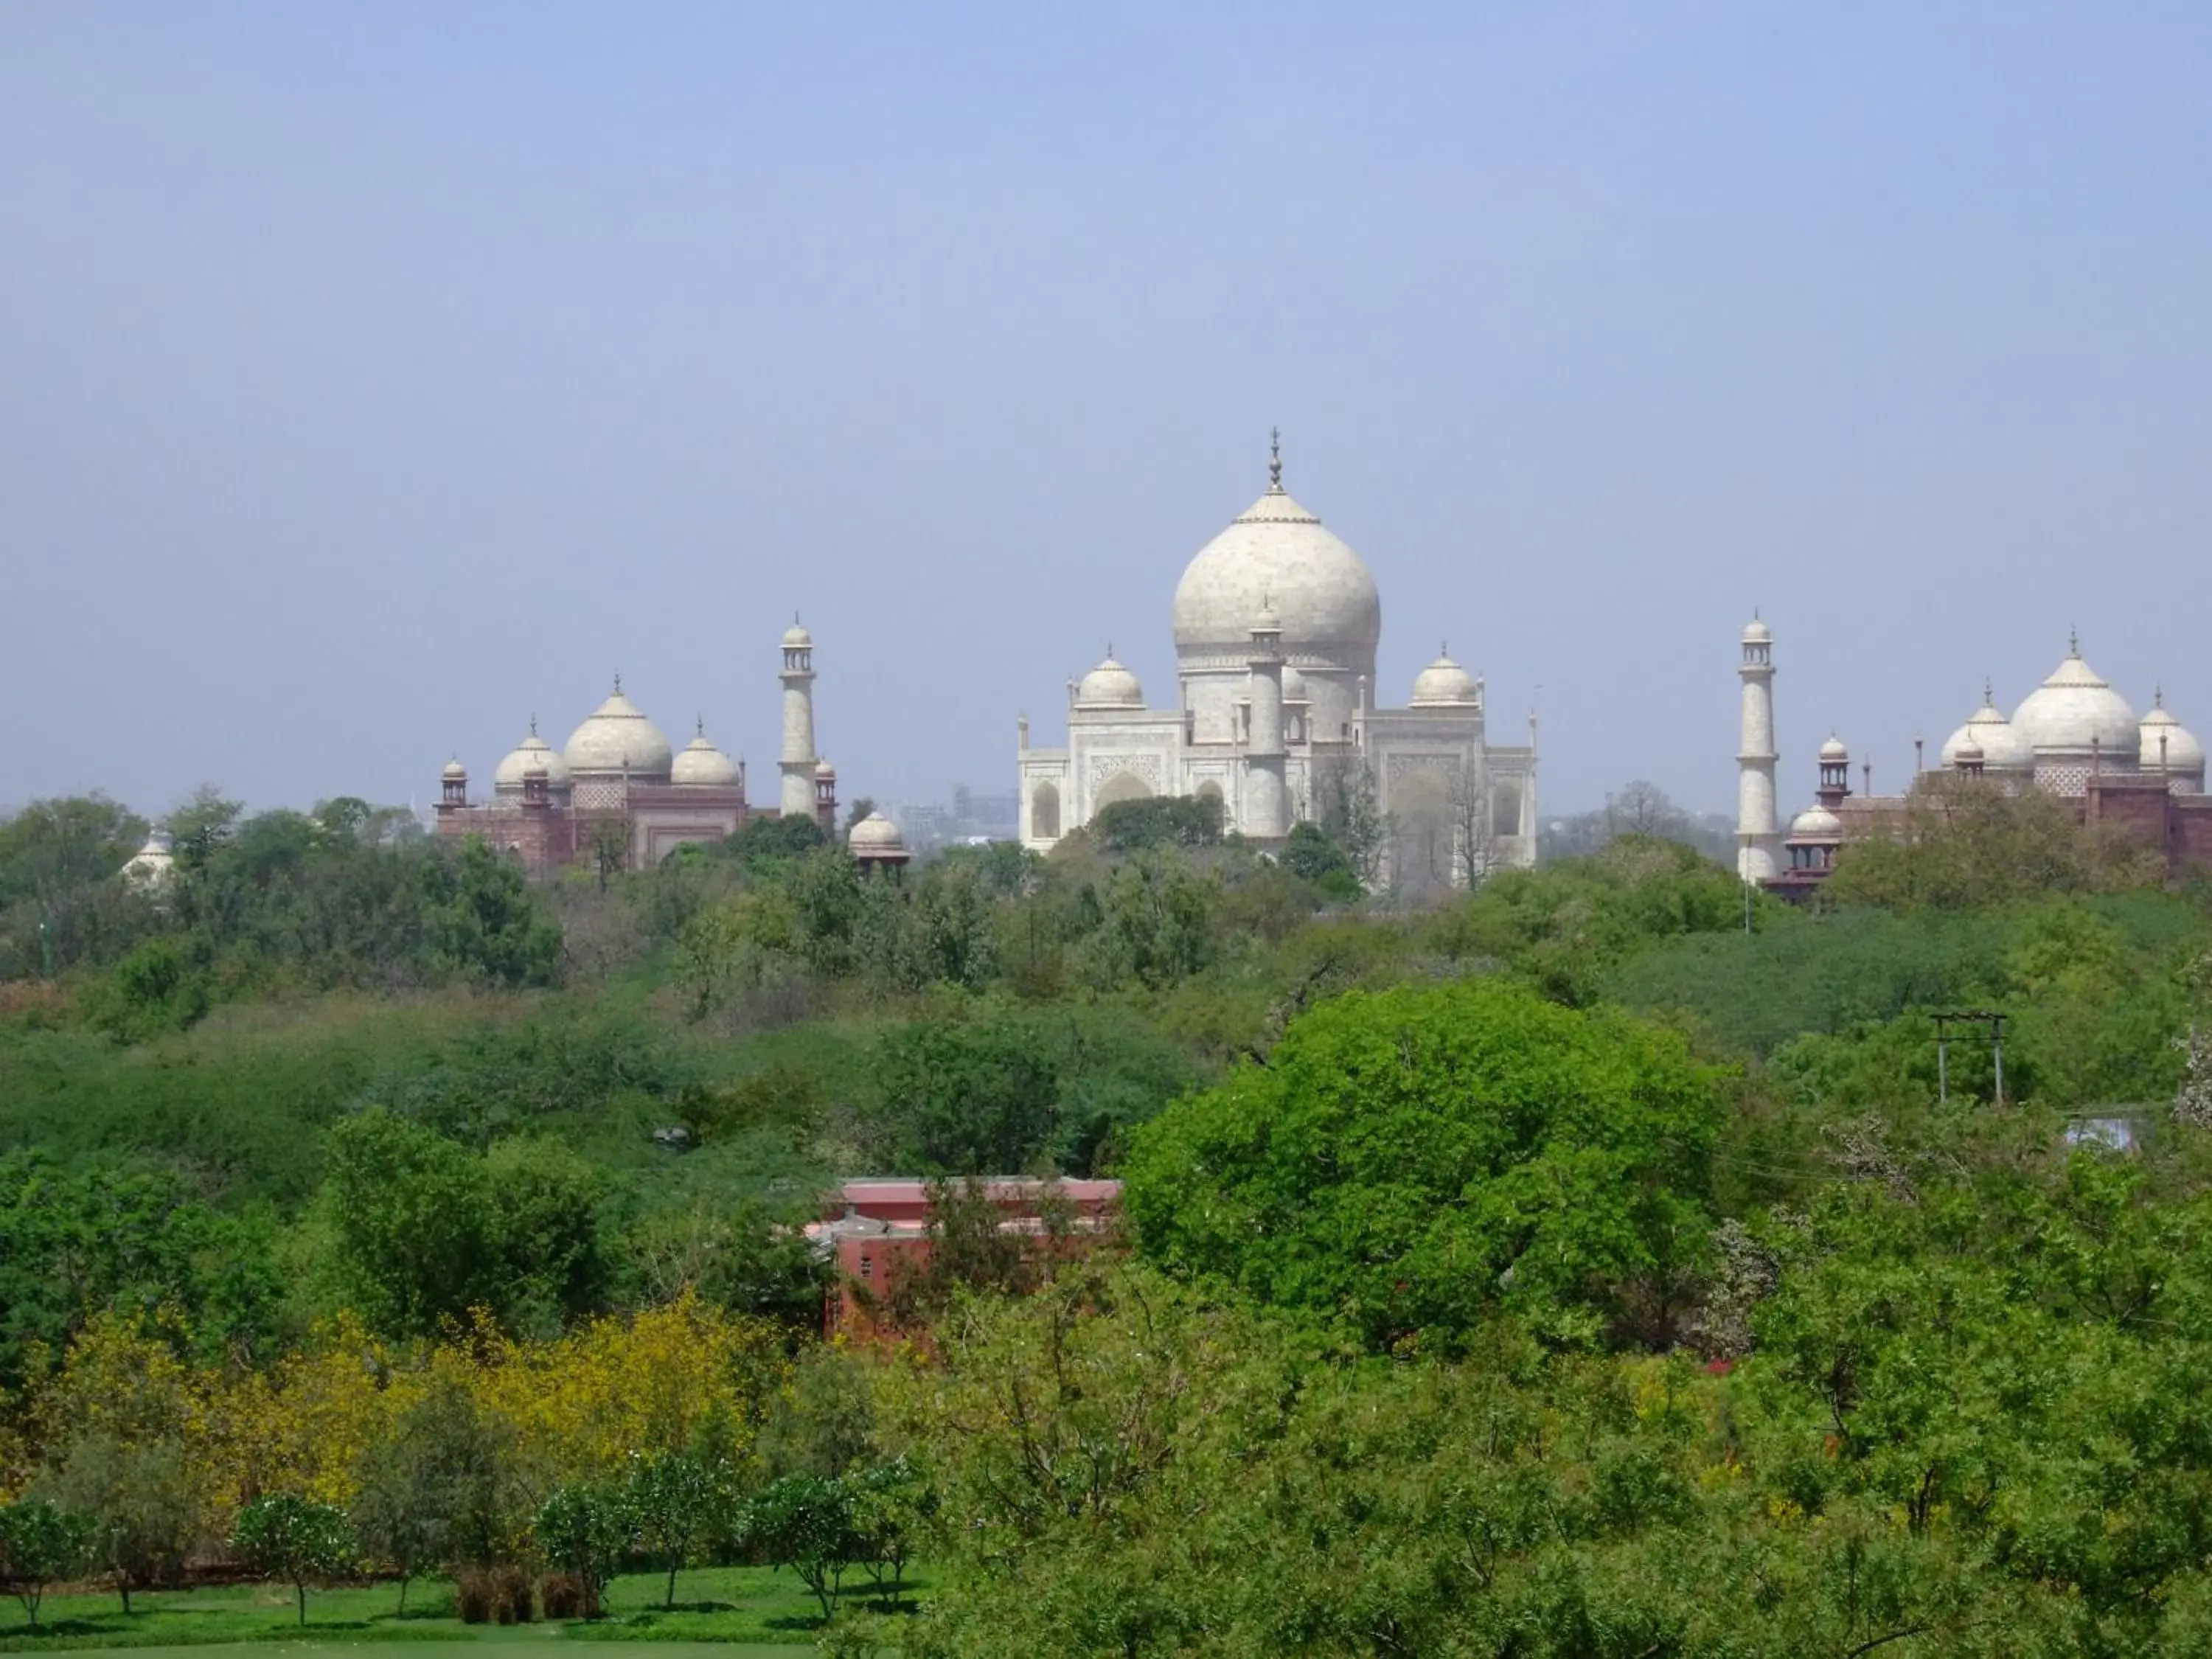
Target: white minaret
(799, 757)
(1758, 836)
(1266, 802)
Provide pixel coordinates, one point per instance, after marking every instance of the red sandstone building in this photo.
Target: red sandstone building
(874, 1231)
(2073, 738)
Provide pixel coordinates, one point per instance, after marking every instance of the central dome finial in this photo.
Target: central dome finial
(1274, 460)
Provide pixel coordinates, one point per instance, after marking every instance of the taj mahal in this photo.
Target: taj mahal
(1276, 624)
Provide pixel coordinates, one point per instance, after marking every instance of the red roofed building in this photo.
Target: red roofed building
(876, 1230)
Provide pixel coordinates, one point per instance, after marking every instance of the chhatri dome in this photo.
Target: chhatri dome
(2166, 740)
(1110, 685)
(532, 752)
(2075, 711)
(1444, 681)
(616, 738)
(2003, 746)
(700, 762)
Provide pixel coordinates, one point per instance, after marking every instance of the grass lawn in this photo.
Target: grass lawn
(742, 1610)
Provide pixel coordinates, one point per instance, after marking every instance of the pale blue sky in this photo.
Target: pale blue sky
(371, 376)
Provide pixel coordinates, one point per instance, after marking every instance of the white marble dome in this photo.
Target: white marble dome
(1444, 681)
(1756, 632)
(2075, 710)
(152, 865)
(702, 763)
(1833, 750)
(875, 836)
(617, 736)
(1277, 555)
(1816, 824)
(2182, 752)
(2004, 747)
(795, 637)
(1110, 685)
(453, 769)
(532, 752)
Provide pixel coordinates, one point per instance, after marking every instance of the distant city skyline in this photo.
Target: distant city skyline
(375, 380)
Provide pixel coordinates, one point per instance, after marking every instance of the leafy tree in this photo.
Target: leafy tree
(582, 1530)
(823, 1420)
(861, 806)
(972, 1095)
(1407, 1160)
(1155, 923)
(40, 1543)
(1311, 853)
(121, 1237)
(140, 1499)
(295, 1539)
(437, 1489)
(806, 1522)
(889, 1505)
(1350, 803)
(1130, 826)
(484, 922)
(767, 842)
(60, 904)
(671, 1499)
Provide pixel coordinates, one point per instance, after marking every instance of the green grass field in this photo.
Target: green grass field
(738, 1610)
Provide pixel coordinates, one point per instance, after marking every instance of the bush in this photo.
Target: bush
(499, 1595)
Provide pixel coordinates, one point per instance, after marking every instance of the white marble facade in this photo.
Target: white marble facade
(1276, 625)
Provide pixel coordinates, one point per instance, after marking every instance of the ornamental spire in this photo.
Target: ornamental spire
(1274, 460)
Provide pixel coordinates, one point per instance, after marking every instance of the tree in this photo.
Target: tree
(1350, 804)
(966, 1096)
(140, 1501)
(806, 1522)
(861, 806)
(1473, 825)
(670, 1499)
(435, 1490)
(40, 1543)
(484, 922)
(411, 1218)
(1130, 826)
(295, 1539)
(888, 1505)
(1155, 921)
(1311, 853)
(1407, 1160)
(582, 1530)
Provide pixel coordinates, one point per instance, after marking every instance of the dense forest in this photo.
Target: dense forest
(1596, 1262)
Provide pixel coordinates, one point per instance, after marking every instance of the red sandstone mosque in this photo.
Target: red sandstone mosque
(2073, 737)
(617, 787)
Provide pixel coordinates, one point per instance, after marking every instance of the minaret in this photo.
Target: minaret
(1758, 835)
(799, 757)
(1266, 801)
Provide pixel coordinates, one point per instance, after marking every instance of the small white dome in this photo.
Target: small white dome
(1816, 824)
(875, 836)
(1833, 750)
(2182, 753)
(2004, 747)
(453, 769)
(152, 865)
(823, 769)
(796, 637)
(2075, 710)
(1110, 685)
(618, 737)
(1756, 632)
(532, 753)
(1444, 681)
(702, 764)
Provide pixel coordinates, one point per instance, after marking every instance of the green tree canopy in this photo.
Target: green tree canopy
(1405, 1161)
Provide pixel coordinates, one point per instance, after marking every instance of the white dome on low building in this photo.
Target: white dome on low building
(701, 765)
(1110, 685)
(2075, 711)
(153, 864)
(875, 833)
(2165, 739)
(1833, 750)
(618, 737)
(1444, 681)
(533, 751)
(2004, 747)
(1816, 824)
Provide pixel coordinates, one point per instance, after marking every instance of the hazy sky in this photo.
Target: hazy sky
(372, 376)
